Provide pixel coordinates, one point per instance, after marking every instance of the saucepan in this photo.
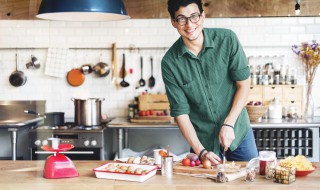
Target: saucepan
(50, 118)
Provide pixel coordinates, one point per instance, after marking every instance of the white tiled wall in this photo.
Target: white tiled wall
(259, 36)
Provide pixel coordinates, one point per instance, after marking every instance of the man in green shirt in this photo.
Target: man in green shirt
(207, 82)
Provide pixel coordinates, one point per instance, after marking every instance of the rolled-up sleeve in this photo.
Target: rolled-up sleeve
(238, 64)
(177, 99)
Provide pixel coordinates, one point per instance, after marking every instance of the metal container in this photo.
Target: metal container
(167, 166)
(87, 112)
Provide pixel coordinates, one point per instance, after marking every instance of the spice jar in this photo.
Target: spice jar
(221, 175)
(250, 174)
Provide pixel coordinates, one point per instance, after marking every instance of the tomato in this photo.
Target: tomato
(150, 112)
(143, 113)
(186, 162)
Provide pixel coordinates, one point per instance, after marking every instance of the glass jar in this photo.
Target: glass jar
(269, 167)
(275, 109)
(221, 175)
(250, 174)
(131, 113)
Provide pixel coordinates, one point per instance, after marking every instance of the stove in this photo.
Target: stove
(87, 140)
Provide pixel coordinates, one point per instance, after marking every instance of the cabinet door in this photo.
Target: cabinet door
(270, 92)
(292, 93)
(255, 93)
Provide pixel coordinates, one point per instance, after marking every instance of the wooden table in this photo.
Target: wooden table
(28, 175)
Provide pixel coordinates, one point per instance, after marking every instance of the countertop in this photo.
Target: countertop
(29, 175)
(122, 122)
(20, 122)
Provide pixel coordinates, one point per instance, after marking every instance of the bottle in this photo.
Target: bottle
(253, 79)
(275, 109)
(131, 112)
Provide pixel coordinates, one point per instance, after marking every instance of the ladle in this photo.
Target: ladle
(123, 83)
(142, 82)
(152, 80)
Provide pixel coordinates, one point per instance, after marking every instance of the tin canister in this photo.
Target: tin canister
(167, 166)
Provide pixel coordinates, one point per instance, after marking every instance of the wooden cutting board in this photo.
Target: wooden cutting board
(179, 168)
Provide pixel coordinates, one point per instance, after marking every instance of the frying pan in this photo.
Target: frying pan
(75, 77)
(17, 78)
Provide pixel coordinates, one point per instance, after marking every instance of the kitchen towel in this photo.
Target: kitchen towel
(57, 64)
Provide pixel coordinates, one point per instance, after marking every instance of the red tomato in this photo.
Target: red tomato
(150, 112)
(140, 113)
(186, 162)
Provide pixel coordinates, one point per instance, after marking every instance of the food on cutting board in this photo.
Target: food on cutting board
(300, 162)
(232, 167)
(141, 160)
(121, 168)
(191, 160)
(154, 113)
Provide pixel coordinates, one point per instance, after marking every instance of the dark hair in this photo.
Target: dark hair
(174, 5)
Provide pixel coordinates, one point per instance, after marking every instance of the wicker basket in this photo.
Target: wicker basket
(255, 112)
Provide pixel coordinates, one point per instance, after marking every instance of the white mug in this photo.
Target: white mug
(54, 142)
(157, 156)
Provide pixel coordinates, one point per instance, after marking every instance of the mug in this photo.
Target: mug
(157, 156)
(54, 142)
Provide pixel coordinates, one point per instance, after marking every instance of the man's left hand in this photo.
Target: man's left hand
(226, 136)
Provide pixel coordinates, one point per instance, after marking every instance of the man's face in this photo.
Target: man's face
(189, 22)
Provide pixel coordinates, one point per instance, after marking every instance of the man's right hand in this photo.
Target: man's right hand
(214, 159)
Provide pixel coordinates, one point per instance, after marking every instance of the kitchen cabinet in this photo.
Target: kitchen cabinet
(290, 95)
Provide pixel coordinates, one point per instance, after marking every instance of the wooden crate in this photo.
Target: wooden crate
(153, 102)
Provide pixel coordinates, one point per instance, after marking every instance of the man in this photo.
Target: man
(207, 82)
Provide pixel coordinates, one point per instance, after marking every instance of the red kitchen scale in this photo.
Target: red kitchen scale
(58, 165)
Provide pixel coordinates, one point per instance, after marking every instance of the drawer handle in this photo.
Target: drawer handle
(251, 87)
(292, 102)
(273, 87)
(292, 87)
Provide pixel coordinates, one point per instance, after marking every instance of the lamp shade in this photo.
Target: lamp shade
(82, 10)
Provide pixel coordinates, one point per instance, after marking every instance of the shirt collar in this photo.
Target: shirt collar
(206, 44)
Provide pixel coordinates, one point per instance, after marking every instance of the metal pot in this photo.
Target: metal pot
(50, 118)
(17, 78)
(87, 112)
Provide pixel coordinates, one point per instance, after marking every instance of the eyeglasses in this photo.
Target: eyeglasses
(183, 20)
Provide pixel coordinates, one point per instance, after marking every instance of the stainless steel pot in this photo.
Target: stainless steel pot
(87, 112)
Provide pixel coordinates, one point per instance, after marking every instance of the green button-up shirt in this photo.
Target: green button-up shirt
(203, 86)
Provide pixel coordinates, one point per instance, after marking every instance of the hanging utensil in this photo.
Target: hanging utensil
(124, 83)
(152, 80)
(142, 82)
(17, 78)
(122, 74)
(101, 69)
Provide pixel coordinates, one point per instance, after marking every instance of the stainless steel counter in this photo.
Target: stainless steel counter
(123, 125)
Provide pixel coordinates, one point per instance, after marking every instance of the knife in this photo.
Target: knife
(224, 158)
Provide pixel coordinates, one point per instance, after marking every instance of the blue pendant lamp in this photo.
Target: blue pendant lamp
(82, 10)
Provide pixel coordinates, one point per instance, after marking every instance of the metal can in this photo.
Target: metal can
(167, 166)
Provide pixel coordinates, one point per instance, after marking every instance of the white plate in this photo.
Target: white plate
(101, 172)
